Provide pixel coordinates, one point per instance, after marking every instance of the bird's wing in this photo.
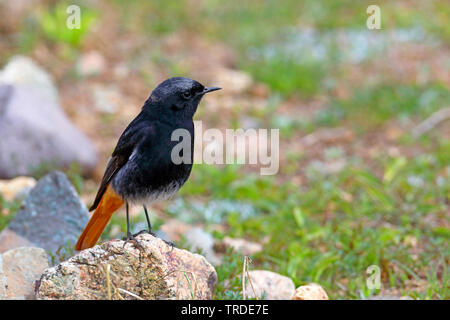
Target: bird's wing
(128, 141)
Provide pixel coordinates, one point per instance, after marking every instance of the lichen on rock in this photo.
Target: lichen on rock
(122, 270)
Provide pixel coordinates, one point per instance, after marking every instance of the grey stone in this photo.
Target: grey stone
(5, 94)
(35, 132)
(34, 129)
(21, 70)
(52, 215)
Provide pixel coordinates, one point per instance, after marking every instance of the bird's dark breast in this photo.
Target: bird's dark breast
(150, 174)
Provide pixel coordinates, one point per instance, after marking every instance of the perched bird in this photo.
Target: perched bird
(141, 170)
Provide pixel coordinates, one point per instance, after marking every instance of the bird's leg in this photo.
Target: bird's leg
(128, 221)
(148, 221)
(130, 237)
(148, 224)
(150, 231)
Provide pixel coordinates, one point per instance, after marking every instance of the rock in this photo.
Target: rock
(51, 216)
(9, 239)
(22, 71)
(199, 240)
(270, 285)
(247, 248)
(19, 269)
(3, 281)
(311, 291)
(90, 63)
(35, 132)
(17, 188)
(156, 271)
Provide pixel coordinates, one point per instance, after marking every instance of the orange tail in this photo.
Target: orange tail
(109, 203)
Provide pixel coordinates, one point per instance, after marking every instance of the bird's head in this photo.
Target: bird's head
(177, 98)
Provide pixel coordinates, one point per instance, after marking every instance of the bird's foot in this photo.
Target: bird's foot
(153, 234)
(131, 238)
(170, 243)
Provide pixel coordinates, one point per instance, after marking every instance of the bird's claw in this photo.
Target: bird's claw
(171, 244)
(131, 238)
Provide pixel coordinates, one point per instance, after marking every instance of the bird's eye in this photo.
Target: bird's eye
(187, 94)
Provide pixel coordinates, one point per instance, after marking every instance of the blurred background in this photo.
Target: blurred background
(362, 181)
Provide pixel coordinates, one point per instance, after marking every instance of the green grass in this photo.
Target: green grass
(54, 20)
(288, 76)
(370, 106)
(246, 26)
(48, 23)
(252, 25)
(318, 234)
(229, 274)
(11, 208)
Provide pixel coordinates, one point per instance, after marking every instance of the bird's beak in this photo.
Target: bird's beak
(210, 89)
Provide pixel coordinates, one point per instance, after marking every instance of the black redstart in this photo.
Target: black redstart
(141, 169)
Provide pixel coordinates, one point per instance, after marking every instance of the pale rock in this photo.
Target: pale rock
(243, 246)
(35, 131)
(23, 71)
(3, 281)
(269, 285)
(16, 188)
(311, 291)
(122, 270)
(34, 128)
(10, 239)
(21, 268)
